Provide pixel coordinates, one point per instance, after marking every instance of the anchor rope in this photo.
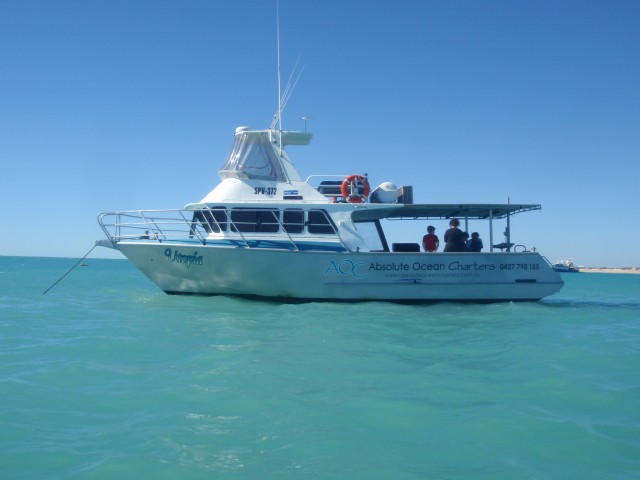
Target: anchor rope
(70, 270)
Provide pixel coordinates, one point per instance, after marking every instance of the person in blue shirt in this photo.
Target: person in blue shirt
(475, 243)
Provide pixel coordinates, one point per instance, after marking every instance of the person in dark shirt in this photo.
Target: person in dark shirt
(454, 237)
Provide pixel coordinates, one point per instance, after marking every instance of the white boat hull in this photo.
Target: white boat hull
(344, 276)
(264, 232)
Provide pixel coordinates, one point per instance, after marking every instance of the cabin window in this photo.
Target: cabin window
(254, 220)
(213, 220)
(318, 222)
(218, 219)
(372, 235)
(293, 220)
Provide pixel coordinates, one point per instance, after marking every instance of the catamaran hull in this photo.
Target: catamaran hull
(344, 276)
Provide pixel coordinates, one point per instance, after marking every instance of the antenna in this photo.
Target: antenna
(305, 119)
(283, 97)
(279, 113)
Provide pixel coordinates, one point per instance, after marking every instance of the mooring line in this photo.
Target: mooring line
(78, 263)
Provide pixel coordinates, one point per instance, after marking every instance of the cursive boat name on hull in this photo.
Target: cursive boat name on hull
(174, 256)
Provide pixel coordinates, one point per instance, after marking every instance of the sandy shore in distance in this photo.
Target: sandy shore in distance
(610, 270)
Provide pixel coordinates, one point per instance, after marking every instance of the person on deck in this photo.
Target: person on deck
(454, 237)
(475, 244)
(430, 242)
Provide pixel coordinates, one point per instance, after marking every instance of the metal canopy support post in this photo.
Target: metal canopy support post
(491, 230)
(507, 232)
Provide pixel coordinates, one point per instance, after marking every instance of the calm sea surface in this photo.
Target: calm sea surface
(106, 377)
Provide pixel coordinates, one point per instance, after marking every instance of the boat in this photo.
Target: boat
(264, 232)
(565, 266)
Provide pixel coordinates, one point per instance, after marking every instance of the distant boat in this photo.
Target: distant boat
(566, 266)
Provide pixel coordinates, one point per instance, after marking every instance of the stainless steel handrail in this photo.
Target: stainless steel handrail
(119, 226)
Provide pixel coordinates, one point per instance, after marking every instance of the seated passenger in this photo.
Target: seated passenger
(475, 244)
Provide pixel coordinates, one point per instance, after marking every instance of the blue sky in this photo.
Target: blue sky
(121, 105)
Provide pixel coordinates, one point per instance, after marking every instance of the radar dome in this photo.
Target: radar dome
(386, 192)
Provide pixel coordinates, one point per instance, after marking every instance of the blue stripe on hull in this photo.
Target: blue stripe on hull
(271, 244)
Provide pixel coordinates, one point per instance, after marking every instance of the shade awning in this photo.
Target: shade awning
(474, 211)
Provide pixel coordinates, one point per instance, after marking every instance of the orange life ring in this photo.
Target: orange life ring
(356, 181)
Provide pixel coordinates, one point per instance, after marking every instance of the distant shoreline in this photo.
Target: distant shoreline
(631, 270)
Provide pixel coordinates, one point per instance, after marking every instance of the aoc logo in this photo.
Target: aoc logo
(345, 267)
(174, 256)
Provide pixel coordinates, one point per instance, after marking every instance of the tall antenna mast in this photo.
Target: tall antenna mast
(279, 81)
(283, 97)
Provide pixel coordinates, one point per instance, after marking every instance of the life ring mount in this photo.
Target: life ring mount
(355, 188)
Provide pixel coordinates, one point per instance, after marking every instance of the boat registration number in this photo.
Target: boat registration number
(265, 190)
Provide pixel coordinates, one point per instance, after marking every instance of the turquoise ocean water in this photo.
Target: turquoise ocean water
(107, 377)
